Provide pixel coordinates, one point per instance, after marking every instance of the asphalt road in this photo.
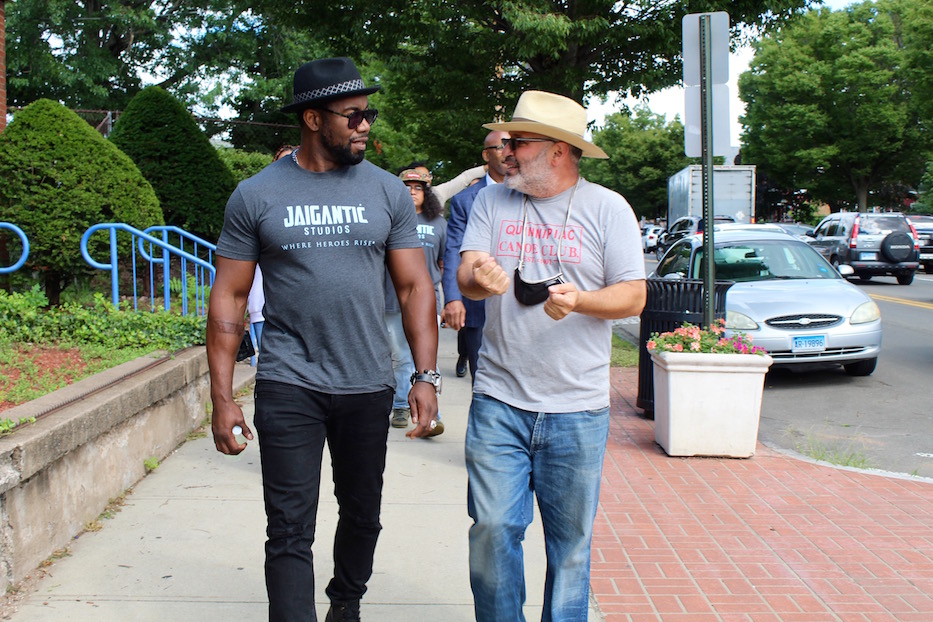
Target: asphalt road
(883, 421)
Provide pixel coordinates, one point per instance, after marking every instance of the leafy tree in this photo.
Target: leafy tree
(450, 67)
(93, 53)
(924, 204)
(644, 151)
(58, 177)
(171, 151)
(243, 164)
(830, 104)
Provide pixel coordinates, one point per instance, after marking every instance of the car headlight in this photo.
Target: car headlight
(739, 321)
(866, 312)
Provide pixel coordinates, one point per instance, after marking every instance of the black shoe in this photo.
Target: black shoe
(461, 366)
(343, 611)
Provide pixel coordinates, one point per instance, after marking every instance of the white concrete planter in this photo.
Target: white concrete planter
(708, 404)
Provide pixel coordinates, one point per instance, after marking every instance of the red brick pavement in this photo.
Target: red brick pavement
(769, 538)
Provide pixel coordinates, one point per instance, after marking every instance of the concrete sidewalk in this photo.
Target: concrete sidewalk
(770, 538)
(188, 544)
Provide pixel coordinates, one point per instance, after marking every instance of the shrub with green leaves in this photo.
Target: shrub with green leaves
(24, 319)
(244, 164)
(58, 176)
(172, 152)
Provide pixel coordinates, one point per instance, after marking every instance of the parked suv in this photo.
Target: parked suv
(681, 228)
(924, 227)
(872, 243)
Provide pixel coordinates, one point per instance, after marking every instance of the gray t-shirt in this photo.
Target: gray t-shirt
(433, 235)
(528, 360)
(321, 240)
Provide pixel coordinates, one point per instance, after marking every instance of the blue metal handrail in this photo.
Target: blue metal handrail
(197, 244)
(25, 255)
(168, 250)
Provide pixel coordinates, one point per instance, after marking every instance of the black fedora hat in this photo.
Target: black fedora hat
(324, 80)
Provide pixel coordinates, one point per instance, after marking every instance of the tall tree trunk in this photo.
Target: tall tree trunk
(53, 288)
(861, 194)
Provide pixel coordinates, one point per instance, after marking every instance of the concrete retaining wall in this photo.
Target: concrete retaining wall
(58, 474)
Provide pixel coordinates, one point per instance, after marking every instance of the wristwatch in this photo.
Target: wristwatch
(430, 376)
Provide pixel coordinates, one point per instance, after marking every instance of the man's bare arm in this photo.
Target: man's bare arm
(479, 276)
(225, 329)
(612, 302)
(409, 273)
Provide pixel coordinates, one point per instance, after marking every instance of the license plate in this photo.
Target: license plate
(868, 256)
(926, 255)
(809, 343)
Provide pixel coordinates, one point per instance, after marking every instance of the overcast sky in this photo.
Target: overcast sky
(670, 102)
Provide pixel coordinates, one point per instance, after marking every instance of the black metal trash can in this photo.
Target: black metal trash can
(670, 303)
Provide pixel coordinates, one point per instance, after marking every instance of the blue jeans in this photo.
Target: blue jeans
(292, 423)
(402, 364)
(513, 455)
(257, 332)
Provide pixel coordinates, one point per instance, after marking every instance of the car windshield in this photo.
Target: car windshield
(761, 260)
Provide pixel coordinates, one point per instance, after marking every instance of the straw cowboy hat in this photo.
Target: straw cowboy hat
(324, 80)
(554, 116)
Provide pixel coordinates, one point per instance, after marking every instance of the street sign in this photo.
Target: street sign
(719, 50)
(693, 120)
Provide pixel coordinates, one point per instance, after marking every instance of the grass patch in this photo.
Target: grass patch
(624, 353)
(835, 455)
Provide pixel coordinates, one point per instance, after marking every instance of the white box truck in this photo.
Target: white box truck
(733, 192)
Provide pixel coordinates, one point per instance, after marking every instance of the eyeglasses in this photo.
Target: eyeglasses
(416, 187)
(356, 117)
(514, 142)
(496, 147)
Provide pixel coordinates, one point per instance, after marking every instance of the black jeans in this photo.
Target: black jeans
(292, 423)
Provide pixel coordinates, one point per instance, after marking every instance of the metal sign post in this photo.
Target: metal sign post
(706, 134)
(711, 32)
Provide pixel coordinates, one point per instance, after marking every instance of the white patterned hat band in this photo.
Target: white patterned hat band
(326, 79)
(327, 91)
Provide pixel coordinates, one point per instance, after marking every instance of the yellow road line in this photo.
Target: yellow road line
(903, 301)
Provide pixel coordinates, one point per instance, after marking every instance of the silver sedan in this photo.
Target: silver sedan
(787, 297)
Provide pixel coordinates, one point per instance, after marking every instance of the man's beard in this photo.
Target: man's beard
(532, 177)
(342, 154)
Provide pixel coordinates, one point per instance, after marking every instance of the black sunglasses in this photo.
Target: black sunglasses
(356, 117)
(514, 142)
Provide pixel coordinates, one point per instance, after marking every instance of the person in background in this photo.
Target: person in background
(464, 315)
(325, 374)
(432, 230)
(256, 298)
(446, 190)
(556, 258)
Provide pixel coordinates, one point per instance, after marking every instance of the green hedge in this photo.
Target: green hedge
(172, 152)
(58, 176)
(24, 319)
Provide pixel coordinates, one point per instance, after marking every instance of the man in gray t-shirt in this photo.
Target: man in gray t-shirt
(556, 258)
(324, 225)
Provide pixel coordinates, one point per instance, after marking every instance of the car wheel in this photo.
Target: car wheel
(864, 277)
(897, 246)
(905, 279)
(861, 368)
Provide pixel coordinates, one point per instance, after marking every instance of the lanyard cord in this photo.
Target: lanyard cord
(560, 241)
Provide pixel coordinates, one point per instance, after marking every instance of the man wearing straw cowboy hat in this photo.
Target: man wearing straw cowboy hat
(324, 225)
(556, 258)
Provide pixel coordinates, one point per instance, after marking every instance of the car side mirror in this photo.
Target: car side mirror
(845, 269)
(809, 233)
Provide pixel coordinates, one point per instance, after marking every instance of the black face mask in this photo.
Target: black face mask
(530, 294)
